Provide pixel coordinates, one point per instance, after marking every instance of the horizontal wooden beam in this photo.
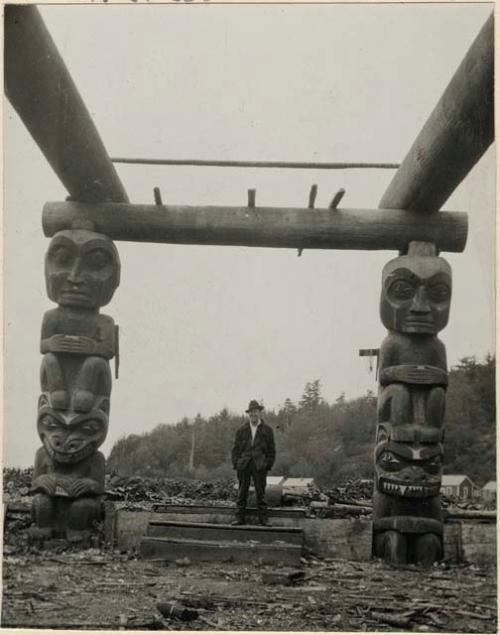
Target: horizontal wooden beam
(263, 226)
(302, 165)
(455, 136)
(40, 88)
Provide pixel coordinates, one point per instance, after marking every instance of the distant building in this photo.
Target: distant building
(458, 485)
(298, 485)
(275, 480)
(271, 481)
(489, 491)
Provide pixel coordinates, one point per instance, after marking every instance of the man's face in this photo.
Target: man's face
(416, 293)
(254, 415)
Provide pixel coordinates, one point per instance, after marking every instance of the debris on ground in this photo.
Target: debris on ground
(176, 611)
(284, 576)
(63, 587)
(95, 589)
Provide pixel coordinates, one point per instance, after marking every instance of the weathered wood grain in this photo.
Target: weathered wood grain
(263, 226)
(40, 88)
(455, 136)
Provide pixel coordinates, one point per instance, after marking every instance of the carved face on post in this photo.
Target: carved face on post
(70, 437)
(416, 294)
(411, 471)
(82, 269)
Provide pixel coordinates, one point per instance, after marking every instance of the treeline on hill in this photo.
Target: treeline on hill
(331, 442)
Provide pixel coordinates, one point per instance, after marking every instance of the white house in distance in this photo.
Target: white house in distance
(489, 491)
(458, 485)
(297, 485)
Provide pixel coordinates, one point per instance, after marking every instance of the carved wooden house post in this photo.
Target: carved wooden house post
(82, 271)
(414, 307)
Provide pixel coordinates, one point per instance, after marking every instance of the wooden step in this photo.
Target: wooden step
(224, 533)
(230, 511)
(217, 551)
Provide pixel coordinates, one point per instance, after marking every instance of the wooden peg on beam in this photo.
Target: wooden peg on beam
(312, 195)
(251, 198)
(312, 198)
(157, 194)
(337, 198)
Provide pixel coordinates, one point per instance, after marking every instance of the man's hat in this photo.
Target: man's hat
(254, 405)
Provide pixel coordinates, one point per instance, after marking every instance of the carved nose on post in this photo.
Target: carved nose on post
(420, 302)
(74, 275)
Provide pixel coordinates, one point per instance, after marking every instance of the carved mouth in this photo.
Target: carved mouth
(419, 323)
(409, 490)
(69, 457)
(75, 294)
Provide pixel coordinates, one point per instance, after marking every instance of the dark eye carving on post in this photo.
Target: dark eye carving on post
(62, 256)
(434, 466)
(90, 427)
(98, 259)
(401, 289)
(389, 461)
(439, 292)
(50, 423)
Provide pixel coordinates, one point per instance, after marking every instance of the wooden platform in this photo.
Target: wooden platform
(217, 542)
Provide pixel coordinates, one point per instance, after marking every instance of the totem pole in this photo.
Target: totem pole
(82, 271)
(415, 304)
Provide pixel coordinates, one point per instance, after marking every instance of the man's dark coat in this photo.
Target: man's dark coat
(262, 451)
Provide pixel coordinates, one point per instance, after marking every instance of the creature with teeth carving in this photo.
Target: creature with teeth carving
(415, 303)
(68, 477)
(82, 272)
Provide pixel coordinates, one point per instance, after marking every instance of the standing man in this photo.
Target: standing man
(253, 456)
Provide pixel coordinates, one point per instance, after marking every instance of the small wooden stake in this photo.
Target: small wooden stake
(337, 198)
(251, 198)
(157, 194)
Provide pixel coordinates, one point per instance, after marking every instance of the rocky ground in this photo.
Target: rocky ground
(100, 589)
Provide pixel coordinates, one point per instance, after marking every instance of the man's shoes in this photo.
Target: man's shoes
(238, 521)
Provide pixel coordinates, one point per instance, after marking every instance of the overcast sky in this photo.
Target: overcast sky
(208, 327)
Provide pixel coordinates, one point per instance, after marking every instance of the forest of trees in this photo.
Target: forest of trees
(331, 442)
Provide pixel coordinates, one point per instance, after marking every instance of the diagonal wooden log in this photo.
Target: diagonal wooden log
(455, 136)
(40, 88)
(263, 226)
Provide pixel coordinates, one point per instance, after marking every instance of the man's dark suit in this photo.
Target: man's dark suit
(252, 462)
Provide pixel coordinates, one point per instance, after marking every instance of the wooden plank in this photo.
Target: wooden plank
(40, 88)
(211, 551)
(263, 226)
(221, 510)
(455, 136)
(224, 533)
(471, 514)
